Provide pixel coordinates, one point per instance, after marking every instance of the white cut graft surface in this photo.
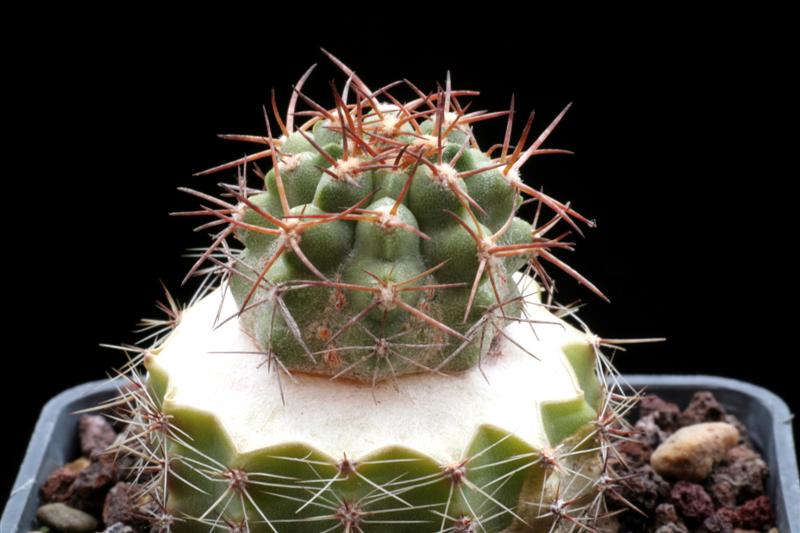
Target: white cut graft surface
(432, 414)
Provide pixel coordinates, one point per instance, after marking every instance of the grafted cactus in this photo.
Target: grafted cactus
(385, 238)
(383, 352)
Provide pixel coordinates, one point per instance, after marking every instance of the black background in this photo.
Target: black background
(677, 130)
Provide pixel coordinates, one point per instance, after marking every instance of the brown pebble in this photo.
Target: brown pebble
(65, 518)
(691, 452)
(78, 464)
(96, 435)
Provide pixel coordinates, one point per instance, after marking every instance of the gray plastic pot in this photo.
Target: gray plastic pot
(766, 416)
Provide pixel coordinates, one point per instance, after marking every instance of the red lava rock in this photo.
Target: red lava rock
(692, 501)
(123, 505)
(665, 513)
(84, 483)
(117, 504)
(635, 453)
(644, 489)
(729, 500)
(96, 434)
(56, 488)
(649, 432)
(124, 464)
(721, 521)
(739, 477)
(703, 408)
(723, 493)
(667, 520)
(665, 414)
(741, 453)
(87, 492)
(755, 514)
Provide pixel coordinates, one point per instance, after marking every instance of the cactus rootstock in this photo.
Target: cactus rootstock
(375, 345)
(384, 239)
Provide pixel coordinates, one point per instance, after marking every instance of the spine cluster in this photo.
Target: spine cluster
(383, 239)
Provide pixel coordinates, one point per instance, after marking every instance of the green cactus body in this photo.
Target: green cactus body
(402, 263)
(379, 356)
